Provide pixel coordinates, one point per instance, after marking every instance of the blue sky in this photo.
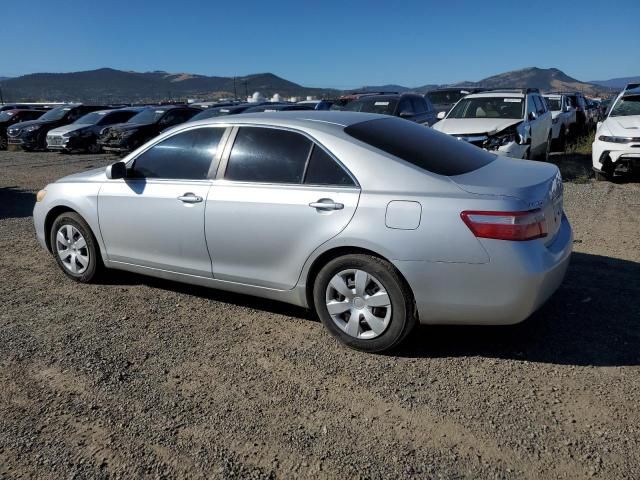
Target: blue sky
(325, 44)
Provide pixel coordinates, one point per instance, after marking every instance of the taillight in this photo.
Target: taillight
(516, 226)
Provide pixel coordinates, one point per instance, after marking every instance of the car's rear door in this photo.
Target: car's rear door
(155, 217)
(277, 198)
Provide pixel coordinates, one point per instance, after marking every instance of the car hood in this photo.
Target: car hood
(466, 126)
(93, 175)
(628, 126)
(69, 128)
(28, 123)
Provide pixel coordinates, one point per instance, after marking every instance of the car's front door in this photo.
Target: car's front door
(155, 217)
(278, 197)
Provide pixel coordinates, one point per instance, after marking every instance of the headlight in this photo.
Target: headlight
(493, 143)
(40, 195)
(605, 138)
(32, 128)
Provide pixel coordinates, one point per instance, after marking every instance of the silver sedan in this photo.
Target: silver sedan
(375, 222)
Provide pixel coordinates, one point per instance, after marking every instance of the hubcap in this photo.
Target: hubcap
(358, 303)
(72, 249)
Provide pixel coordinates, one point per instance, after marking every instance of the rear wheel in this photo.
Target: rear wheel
(364, 302)
(75, 248)
(93, 148)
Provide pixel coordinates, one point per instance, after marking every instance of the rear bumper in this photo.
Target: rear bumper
(517, 280)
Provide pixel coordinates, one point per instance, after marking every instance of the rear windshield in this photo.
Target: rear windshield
(554, 103)
(372, 104)
(445, 97)
(421, 146)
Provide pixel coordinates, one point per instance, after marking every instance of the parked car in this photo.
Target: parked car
(344, 100)
(10, 117)
(318, 104)
(409, 106)
(222, 111)
(82, 135)
(375, 222)
(32, 135)
(278, 107)
(563, 118)
(15, 106)
(125, 137)
(616, 148)
(512, 122)
(443, 99)
(583, 117)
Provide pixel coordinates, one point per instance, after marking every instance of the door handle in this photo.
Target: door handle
(190, 198)
(326, 204)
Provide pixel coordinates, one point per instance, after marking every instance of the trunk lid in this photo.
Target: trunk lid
(537, 184)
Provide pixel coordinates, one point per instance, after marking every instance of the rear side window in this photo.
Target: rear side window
(268, 155)
(421, 146)
(324, 170)
(184, 156)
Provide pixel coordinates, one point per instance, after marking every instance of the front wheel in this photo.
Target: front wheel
(364, 302)
(75, 248)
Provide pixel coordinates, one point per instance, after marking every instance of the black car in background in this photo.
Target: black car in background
(443, 99)
(32, 135)
(125, 137)
(82, 135)
(222, 111)
(10, 117)
(279, 107)
(409, 106)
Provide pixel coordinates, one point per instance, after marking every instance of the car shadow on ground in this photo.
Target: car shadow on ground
(574, 167)
(593, 319)
(16, 203)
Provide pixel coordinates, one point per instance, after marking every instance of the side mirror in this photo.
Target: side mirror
(116, 170)
(532, 116)
(441, 115)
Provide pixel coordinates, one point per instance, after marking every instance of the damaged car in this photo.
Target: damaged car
(616, 148)
(82, 135)
(32, 135)
(563, 118)
(126, 137)
(511, 122)
(12, 116)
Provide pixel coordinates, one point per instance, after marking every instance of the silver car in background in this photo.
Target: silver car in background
(375, 222)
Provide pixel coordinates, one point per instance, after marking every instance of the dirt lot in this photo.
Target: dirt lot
(141, 377)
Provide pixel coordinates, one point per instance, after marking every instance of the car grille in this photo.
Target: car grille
(54, 141)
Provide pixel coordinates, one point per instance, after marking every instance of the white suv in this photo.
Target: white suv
(563, 118)
(514, 122)
(616, 148)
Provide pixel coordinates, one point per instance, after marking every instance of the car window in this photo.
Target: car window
(488, 107)
(419, 104)
(539, 104)
(421, 146)
(531, 106)
(324, 170)
(186, 156)
(268, 155)
(405, 106)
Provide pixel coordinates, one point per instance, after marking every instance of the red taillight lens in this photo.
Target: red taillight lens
(516, 226)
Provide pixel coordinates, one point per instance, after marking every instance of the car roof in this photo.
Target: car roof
(496, 93)
(317, 119)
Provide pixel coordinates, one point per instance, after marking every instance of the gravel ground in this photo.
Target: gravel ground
(141, 377)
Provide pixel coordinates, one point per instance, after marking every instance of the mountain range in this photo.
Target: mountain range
(616, 83)
(107, 85)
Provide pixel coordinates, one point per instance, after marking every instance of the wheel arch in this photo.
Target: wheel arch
(340, 251)
(54, 213)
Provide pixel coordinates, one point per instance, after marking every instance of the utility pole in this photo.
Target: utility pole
(246, 88)
(235, 92)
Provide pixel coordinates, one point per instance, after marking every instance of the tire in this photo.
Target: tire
(562, 140)
(601, 177)
(3, 143)
(384, 322)
(78, 260)
(527, 154)
(93, 148)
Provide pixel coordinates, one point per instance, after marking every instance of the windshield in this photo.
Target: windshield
(91, 118)
(629, 105)
(446, 97)
(6, 115)
(488, 107)
(56, 113)
(149, 115)
(554, 103)
(372, 104)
